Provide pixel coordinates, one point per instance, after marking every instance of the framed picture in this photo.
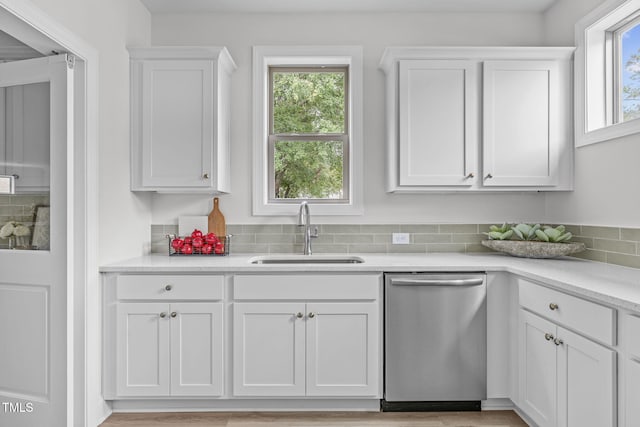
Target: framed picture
(41, 228)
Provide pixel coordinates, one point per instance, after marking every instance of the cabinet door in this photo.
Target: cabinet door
(268, 349)
(632, 393)
(586, 382)
(438, 122)
(177, 123)
(196, 349)
(522, 135)
(142, 354)
(26, 154)
(538, 390)
(342, 349)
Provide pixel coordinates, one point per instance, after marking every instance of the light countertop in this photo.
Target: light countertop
(606, 283)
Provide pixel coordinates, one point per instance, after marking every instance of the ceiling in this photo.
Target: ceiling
(302, 6)
(12, 49)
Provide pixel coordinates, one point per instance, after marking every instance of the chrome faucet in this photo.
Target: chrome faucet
(304, 220)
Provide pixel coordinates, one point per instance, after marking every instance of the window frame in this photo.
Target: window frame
(596, 84)
(292, 136)
(265, 57)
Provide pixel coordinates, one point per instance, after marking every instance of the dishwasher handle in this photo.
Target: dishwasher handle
(397, 281)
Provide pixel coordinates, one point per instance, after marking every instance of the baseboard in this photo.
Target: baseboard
(233, 405)
(497, 405)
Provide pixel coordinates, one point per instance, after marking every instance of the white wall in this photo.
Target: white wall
(239, 32)
(110, 26)
(606, 174)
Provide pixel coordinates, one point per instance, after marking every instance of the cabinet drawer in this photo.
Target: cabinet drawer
(632, 337)
(593, 320)
(304, 287)
(169, 287)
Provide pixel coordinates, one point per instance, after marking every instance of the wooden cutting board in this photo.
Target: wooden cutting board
(217, 224)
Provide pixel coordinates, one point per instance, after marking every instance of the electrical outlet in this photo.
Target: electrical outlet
(400, 238)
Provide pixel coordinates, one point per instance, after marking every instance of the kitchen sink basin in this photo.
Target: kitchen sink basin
(306, 259)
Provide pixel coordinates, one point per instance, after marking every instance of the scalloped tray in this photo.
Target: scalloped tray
(529, 249)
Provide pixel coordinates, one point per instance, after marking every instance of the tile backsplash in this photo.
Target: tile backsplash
(612, 245)
(21, 208)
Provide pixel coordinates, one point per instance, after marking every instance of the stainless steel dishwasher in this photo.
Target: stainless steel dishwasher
(435, 341)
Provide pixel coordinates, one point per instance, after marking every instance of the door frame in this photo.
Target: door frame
(32, 26)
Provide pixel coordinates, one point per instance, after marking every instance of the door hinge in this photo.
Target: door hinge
(71, 60)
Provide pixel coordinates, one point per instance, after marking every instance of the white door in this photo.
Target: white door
(142, 349)
(196, 349)
(538, 390)
(268, 349)
(522, 135)
(342, 349)
(586, 382)
(33, 284)
(438, 122)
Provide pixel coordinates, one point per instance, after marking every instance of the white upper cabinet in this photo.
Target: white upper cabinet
(24, 135)
(437, 103)
(180, 119)
(478, 119)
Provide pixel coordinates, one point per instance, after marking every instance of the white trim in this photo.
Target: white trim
(593, 94)
(263, 56)
(83, 311)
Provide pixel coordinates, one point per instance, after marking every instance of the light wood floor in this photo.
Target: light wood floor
(318, 419)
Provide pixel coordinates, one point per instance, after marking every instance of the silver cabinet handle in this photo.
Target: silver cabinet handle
(168, 288)
(437, 282)
(470, 175)
(205, 176)
(489, 176)
(558, 341)
(163, 315)
(548, 337)
(174, 314)
(299, 315)
(312, 315)
(16, 176)
(553, 306)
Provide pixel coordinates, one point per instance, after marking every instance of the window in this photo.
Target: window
(307, 129)
(626, 61)
(607, 64)
(308, 136)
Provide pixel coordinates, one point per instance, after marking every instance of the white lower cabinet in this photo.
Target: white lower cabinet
(269, 349)
(306, 348)
(566, 380)
(298, 349)
(169, 349)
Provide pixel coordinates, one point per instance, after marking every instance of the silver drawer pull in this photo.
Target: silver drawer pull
(299, 315)
(163, 315)
(437, 282)
(558, 341)
(312, 315)
(174, 314)
(553, 306)
(168, 288)
(548, 337)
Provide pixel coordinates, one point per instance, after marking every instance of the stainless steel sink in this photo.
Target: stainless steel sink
(306, 259)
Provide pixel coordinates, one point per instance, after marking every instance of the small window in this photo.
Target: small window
(627, 64)
(607, 78)
(308, 134)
